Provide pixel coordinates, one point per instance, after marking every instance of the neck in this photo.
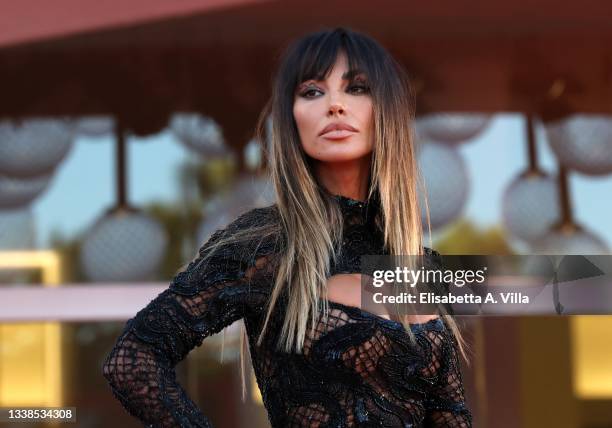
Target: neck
(347, 178)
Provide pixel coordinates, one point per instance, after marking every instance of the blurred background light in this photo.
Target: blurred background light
(446, 182)
(33, 147)
(123, 246)
(583, 142)
(451, 128)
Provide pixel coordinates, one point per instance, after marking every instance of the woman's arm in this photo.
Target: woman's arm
(200, 301)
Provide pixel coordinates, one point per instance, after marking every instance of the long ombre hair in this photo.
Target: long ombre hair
(308, 218)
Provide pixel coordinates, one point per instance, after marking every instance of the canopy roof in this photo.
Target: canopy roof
(142, 60)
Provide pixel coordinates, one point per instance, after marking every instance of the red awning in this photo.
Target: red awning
(142, 60)
(27, 21)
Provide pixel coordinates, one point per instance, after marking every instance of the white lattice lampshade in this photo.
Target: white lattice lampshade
(249, 192)
(580, 242)
(451, 128)
(33, 147)
(530, 206)
(199, 133)
(446, 180)
(583, 143)
(123, 246)
(94, 126)
(19, 192)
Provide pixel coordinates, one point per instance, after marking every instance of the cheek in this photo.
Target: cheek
(365, 113)
(303, 119)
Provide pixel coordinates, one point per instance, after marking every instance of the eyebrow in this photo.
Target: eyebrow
(349, 75)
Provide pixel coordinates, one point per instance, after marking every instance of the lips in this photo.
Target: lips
(337, 130)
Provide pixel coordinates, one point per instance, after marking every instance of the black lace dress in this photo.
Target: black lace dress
(357, 370)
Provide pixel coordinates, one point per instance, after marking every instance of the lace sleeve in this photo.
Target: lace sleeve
(200, 301)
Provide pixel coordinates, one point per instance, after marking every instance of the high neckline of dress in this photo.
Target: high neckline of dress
(366, 210)
(349, 202)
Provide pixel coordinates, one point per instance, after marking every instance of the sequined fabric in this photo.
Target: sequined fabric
(357, 369)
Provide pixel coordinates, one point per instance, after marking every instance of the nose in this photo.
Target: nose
(336, 109)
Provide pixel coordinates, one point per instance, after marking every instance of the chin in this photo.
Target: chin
(339, 158)
(337, 152)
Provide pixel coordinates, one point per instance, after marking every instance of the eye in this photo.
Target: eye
(359, 89)
(309, 92)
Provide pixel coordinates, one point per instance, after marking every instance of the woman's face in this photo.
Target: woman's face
(334, 116)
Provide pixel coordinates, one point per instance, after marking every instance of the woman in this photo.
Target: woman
(343, 167)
